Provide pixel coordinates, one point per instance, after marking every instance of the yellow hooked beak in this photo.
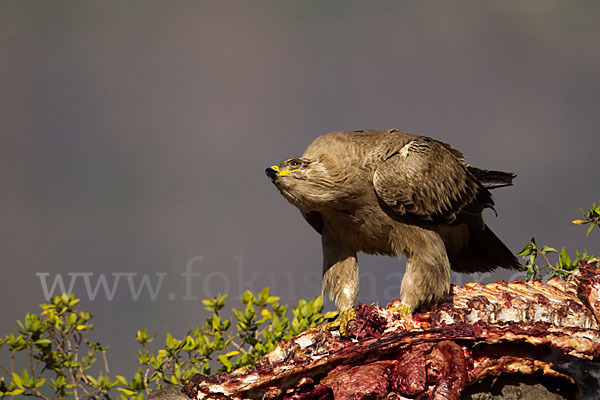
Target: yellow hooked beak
(283, 172)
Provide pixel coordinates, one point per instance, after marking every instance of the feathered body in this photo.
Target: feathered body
(393, 193)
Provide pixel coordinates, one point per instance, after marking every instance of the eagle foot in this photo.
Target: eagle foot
(402, 310)
(341, 322)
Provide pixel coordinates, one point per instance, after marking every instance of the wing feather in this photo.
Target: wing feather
(428, 179)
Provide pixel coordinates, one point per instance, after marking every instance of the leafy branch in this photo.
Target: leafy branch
(565, 267)
(56, 341)
(592, 217)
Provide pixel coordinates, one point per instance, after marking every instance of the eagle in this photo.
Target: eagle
(396, 194)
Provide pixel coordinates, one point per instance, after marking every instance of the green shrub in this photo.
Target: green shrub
(60, 357)
(58, 354)
(565, 267)
(261, 324)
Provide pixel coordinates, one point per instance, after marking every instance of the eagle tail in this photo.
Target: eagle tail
(485, 252)
(491, 179)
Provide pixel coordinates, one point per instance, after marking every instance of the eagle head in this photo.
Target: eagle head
(304, 182)
(295, 167)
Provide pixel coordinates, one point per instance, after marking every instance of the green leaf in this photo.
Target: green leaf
(250, 312)
(330, 314)
(39, 383)
(126, 391)
(226, 362)
(141, 336)
(43, 342)
(248, 297)
(122, 380)
(527, 250)
(318, 303)
(263, 295)
(238, 313)
(92, 379)
(170, 340)
(564, 258)
(216, 323)
(17, 380)
(546, 250)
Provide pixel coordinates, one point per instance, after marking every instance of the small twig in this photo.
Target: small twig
(31, 370)
(240, 346)
(3, 368)
(36, 393)
(569, 274)
(105, 363)
(546, 258)
(146, 380)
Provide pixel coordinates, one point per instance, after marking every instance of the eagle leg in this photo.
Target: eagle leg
(340, 273)
(427, 276)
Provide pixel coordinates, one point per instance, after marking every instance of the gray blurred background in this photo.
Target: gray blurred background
(134, 138)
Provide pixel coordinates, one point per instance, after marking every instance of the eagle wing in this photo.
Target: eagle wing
(428, 179)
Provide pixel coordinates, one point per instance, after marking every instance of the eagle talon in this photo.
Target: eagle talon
(402, 310)
(341, 322)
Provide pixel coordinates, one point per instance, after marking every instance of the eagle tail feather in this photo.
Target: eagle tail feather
(492, 179)
(485, 252)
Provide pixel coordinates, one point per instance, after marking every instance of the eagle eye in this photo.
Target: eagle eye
(294, 162)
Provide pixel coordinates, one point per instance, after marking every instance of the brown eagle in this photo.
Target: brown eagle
(393, 193)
